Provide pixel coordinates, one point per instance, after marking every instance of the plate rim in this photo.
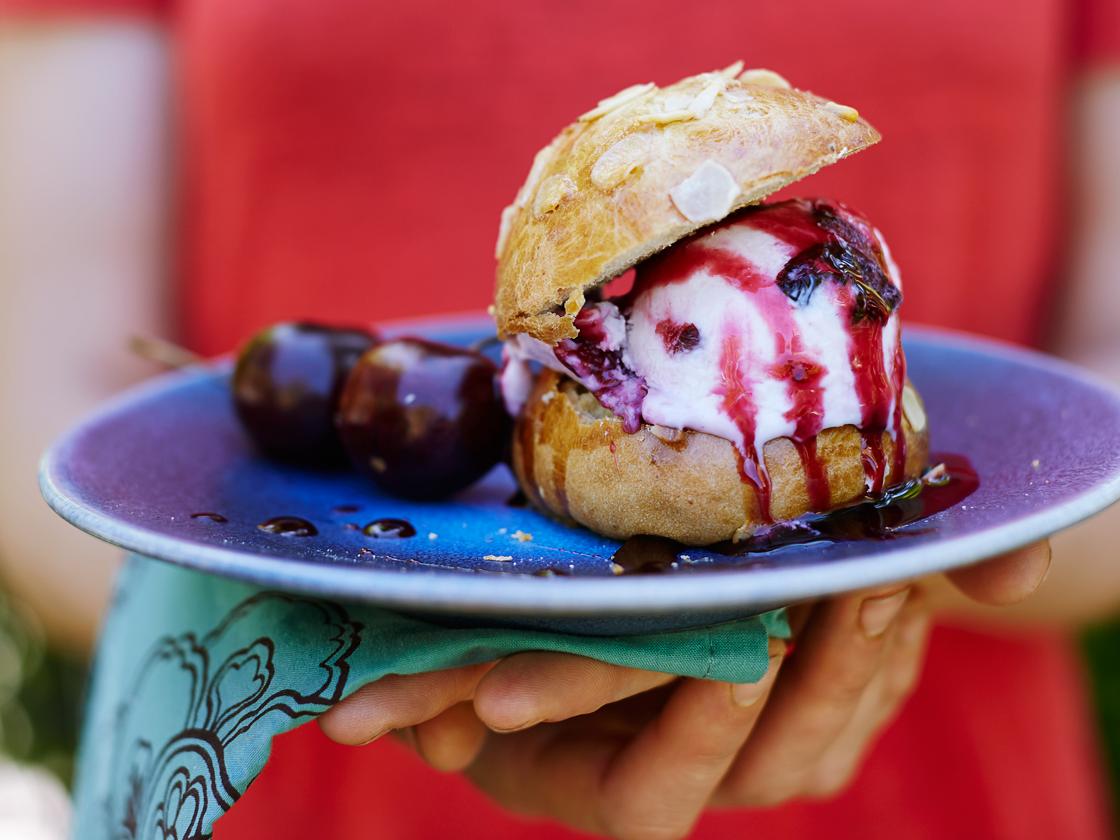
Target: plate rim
(524, 595)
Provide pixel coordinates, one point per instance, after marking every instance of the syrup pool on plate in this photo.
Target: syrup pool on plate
(875, 519)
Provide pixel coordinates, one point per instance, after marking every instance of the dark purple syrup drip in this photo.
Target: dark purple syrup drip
(877, 520)
(846, 252)
(213, 517)
(389, 529)
(588, 356)
(289, 526)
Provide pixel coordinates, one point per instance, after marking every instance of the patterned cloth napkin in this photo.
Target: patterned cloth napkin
(195, 674)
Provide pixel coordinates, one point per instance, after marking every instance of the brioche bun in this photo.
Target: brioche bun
(646, 168)
(574, 460)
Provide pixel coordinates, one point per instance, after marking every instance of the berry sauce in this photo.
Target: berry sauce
(737, 404)
(802, 374)
(816, 479)
(289, 526)
(591, 357)
(836, 244)
(875, 519)
(678, 337)
(389, 529)
(833, 251)
(212, 517)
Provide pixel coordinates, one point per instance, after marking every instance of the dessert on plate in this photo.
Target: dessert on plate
(752, 371)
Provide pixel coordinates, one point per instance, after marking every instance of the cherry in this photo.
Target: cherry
(424, 420)
(286, 386)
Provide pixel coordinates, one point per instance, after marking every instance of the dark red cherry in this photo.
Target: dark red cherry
(286, 387)
(424, 420)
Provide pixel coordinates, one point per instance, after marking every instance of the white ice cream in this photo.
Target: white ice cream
(685, 389)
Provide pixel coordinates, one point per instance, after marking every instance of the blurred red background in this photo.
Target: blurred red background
(349, 160)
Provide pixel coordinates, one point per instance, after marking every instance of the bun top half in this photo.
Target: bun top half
(644, 169)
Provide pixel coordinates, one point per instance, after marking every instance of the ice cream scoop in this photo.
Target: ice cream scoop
(780, 321)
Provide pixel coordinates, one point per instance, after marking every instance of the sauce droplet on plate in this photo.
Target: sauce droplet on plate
(388, 528)
(213, 517)
(289, 526)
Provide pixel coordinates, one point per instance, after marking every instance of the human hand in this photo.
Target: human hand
(639, 754)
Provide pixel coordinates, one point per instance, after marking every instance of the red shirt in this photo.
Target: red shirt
(348, 161)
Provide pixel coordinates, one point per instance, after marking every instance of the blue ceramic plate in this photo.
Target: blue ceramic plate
(1043, 436)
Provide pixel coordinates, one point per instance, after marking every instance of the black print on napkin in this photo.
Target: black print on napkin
(197, 720)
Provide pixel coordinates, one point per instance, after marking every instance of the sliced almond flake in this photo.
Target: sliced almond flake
(763, 78)
(666, 117)
(706, 98)
(665, 433)
(625, 95)
(846, 112)
(497, 558)
(677, 101)
(736, 94)
(540, 161)
(553, 190)
(732, 70)
(707, 194)
(936, 476)
(504, 225)
(674, 107)
(620, 161)
(681, 107)
(575, 302)
(912, 408)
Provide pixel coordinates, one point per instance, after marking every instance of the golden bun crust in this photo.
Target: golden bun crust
(574, 460)
(646, 168)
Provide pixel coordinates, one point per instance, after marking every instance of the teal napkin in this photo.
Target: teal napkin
(196, 674)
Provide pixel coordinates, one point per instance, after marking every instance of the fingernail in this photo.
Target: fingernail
(745, 695)
(373, 738)
(876, 614)
(506, 730)
(1049, 564)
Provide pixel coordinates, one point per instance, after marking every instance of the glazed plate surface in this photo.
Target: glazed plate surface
(1043, 436)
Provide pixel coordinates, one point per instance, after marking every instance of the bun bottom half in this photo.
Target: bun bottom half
(574, 461)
